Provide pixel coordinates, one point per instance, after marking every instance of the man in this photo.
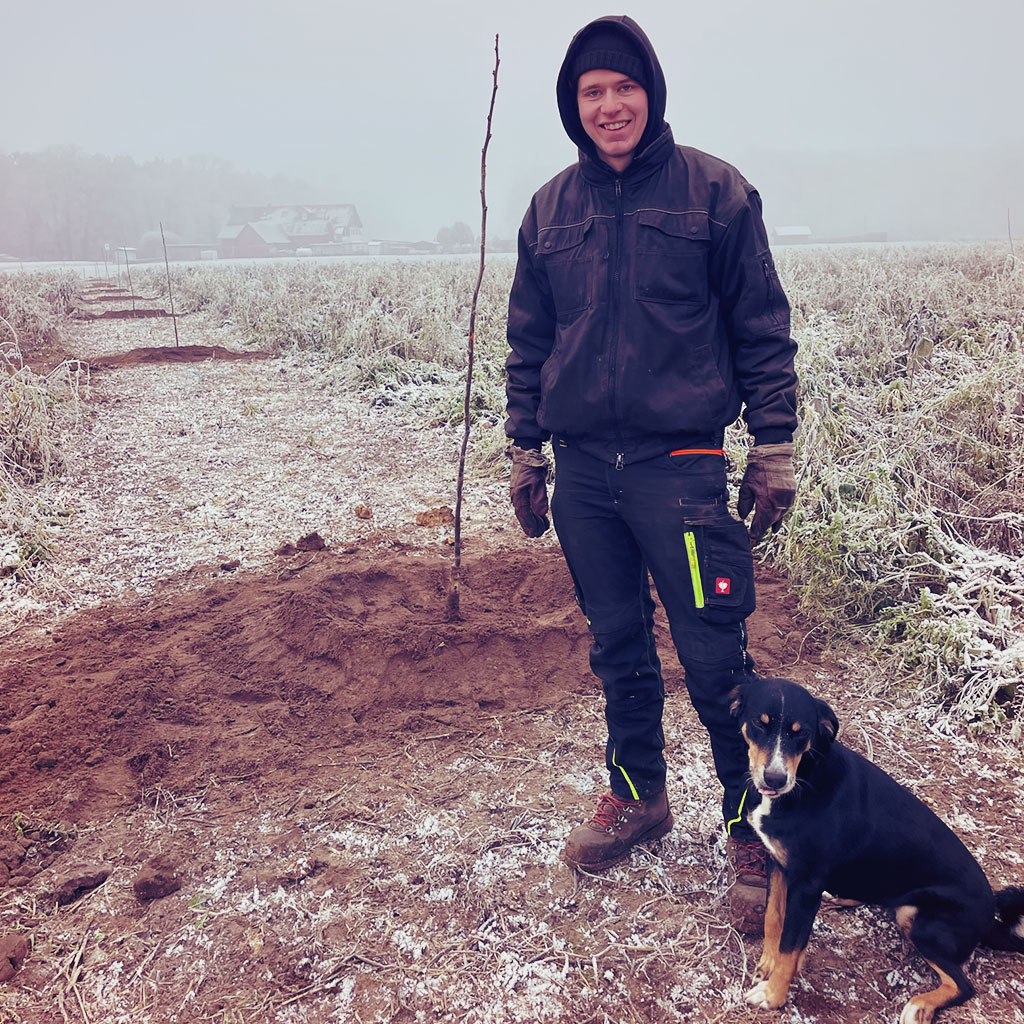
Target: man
(645, 316)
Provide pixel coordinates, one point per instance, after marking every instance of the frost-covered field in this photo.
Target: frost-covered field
(910, 519)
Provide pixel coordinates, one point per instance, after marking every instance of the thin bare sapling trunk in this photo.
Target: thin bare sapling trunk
(170, 294)
(453, 589)
(128, 271)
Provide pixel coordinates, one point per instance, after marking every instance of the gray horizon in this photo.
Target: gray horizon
(896, 118)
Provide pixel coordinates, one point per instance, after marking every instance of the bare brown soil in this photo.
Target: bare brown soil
(358, 806)
(167, 354)
(122, 314)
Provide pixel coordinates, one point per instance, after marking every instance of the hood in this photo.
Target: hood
(566, 86)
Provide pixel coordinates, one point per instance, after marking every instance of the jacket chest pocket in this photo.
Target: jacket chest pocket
(671, 264)
(568, 261)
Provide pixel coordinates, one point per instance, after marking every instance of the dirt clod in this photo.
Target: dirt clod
(74, 886)
(13, 951)
(442, 516)
(159, 877)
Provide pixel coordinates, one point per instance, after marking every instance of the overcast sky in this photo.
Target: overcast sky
(383, 103)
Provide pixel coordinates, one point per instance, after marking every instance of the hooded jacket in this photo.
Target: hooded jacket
(645, 313)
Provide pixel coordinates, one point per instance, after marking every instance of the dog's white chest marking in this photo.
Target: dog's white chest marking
(757, 817)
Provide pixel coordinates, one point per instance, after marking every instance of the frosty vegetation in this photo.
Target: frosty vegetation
(34, 411)
(909, 522)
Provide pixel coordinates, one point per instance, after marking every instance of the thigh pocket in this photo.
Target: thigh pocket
(721, 566)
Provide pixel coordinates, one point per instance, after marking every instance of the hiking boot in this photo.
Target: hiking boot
(616, 827)
(749, 865)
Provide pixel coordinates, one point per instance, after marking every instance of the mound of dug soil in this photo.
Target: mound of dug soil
(254, 672)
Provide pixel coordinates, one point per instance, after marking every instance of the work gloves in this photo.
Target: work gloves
(768, 487)
(529, 486)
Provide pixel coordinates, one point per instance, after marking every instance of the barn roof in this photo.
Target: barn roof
(270, 232)
(296, 219)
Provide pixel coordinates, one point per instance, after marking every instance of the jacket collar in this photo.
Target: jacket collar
(642, 166)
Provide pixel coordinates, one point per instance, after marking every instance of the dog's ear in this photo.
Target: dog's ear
(738, 696)
(736, 700)
(828, 724)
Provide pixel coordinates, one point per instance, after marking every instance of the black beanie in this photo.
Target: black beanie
(609, 48)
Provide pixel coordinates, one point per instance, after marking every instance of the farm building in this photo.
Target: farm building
(253, 232)
(791, 235)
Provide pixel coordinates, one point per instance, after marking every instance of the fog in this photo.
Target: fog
(899, 116)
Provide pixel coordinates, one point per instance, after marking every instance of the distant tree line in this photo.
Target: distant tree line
(63, 203)
(457, 238)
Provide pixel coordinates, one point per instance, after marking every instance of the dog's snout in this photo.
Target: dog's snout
(774, 779)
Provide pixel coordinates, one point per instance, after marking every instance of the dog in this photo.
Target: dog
(834, 822)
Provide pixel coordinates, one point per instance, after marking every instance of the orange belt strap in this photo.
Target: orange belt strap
(698, 451)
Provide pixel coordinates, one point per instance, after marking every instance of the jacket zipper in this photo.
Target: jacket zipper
(769, 294)
(613, 347)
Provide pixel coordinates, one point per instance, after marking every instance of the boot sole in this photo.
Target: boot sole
(654, 832)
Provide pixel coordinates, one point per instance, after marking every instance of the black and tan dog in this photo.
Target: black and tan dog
(834, 822)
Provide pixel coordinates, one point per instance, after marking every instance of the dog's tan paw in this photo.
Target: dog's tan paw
(839, 902)
(761, 997)
(916, 1013)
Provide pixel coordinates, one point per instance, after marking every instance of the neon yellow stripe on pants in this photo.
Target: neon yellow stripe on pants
(739, 814)
(691, 555)
(629, 781)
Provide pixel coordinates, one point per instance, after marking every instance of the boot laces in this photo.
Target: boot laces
(752, 857)
(609, 810)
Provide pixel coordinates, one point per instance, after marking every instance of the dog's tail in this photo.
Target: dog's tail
(1007, 930)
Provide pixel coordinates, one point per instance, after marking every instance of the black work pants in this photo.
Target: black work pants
(669, 517)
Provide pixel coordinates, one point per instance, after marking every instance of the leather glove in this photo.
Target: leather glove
(529, 479)
(768, 487)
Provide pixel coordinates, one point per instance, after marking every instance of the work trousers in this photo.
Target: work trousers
(667, 518)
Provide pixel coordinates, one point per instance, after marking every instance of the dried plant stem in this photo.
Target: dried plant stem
(453, 590)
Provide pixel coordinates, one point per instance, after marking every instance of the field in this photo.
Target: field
(253, 773)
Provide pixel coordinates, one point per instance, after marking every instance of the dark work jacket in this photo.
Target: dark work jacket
(646, 312)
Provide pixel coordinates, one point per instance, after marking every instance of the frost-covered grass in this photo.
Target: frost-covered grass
(910, 518)
(35, 410)
(34, 305)
(397, 330)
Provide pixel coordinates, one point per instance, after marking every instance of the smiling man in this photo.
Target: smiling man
(613, 112)
(645, 317)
